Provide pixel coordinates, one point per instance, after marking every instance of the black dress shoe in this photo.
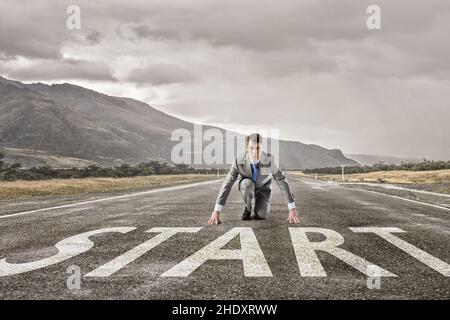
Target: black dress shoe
(246, 215)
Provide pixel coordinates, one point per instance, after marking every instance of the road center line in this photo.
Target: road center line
(390, 195)
(406, 199)
(113, 198)
(394, 187)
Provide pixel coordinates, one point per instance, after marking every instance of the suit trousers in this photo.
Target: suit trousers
(262, 197)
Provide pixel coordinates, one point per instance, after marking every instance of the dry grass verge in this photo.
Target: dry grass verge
(18, 189)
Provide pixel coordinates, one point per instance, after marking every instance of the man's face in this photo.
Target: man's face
(254, 150)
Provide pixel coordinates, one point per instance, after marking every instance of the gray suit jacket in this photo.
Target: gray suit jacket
(268, 168)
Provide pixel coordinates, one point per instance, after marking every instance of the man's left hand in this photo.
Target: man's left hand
(293, 216)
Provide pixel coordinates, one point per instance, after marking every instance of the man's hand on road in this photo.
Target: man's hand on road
(215, 219)
(293, 216)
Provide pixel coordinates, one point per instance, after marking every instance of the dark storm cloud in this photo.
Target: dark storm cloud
(160, 73)
(267, 27)
(261, 26)
(64, 69)
(5, 57)
(30, 29)
(137, 32)
(29, 46)
(144, 31)
(333, 81)
(93, 37)
(36, 29)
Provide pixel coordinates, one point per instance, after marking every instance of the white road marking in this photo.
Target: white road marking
(67, 248)
(394, 187)
(406, 199)
(27, 202)
(112, 198)
(121, 261)
(309, 263)
(255, 264)
(397, 197)
(424, 257)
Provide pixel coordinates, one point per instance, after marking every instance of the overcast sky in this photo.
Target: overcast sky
(310, 68)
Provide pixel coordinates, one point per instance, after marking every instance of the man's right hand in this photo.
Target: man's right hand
(215, 219)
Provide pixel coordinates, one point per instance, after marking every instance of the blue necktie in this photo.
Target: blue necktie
(254, 172)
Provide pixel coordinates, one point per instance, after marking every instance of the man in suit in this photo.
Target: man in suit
(254, 169)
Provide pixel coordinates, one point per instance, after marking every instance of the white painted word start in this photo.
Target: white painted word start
(250, 253)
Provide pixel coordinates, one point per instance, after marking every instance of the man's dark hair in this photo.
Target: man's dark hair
(254, 137)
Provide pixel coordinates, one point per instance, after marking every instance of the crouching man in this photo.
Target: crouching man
(254, 171)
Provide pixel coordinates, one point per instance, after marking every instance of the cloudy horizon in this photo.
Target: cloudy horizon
(312, 70)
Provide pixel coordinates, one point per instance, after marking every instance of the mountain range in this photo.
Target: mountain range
(64, 125)
(370, 159)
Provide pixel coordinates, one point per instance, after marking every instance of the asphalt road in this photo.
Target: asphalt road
(31, 237)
